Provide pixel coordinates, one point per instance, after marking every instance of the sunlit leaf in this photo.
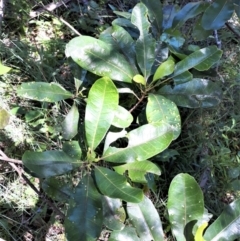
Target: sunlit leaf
(102, 103)
(139, 79)
(42, 91)
(115, 185)
(4, 69)
(145, 218)
(122, 118)
(166, 68)
(99, 58)
(185, 205)
(4, 118)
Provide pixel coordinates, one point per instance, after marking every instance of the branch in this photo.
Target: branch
(136, 105)
(21, 175)
(232, 29)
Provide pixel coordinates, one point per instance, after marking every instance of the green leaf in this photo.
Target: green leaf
(122, 118)
(189, 10)
(41, 91)
(155, 14)
(4, 118)
(143, 143)
(201, 60)
(84, 217)
(199, 33)
(226, 226)
(73, 149)
(183, 78)
(215, 16)
(50, 163)
(199, 234)
(102, 103)
(194, 94)
(163, 111)
(4, 69)
(99, 58)
(145, 45)
(70, 123)
(113, 136)
(185, 205)
(57, 189)
(126, 44)
(166, 68)
(137, 170)
(139, 79)
(146, 220)
(115, 185)
(113, 213)
(127, 234)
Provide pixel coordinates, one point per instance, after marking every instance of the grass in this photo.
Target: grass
(208, 146)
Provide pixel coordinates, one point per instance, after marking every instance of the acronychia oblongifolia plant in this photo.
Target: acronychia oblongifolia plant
(138, 71)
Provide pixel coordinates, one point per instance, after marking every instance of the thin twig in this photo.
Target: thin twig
(232, 29)
(6, 159)
(23, 176)
(136, 105)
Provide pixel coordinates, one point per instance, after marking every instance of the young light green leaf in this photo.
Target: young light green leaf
(99, 58)
(139, 79)
(201, 60)
(226, 226)
(127, 234)
(194, 94)
(145, 218)
(115, 185)
(49, 163)
(42, 91)
(166, 68)
(4, 118)
(138, 170)
(122, 118)
(84, 218)
(4, 69)
(143, 143)
(70, 123)
(185, 205)
(215, 16)
(161, 110)
(145, 45)
(113, 213)
(102, 103)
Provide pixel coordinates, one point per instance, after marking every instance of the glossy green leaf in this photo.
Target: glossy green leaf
(115, 185)
(4, 69)
(183, 78)
(99, 58)
(138, 170)
(155, 14)
(169, 12)
(126, 44)
(201, 60)
(70, 123)
(127, 234)
(194, 94)
(189, 10)
(219, 12)
(102, 103)
(84, 218)
(51, 163)
(126, 15)
(163, 111)
(145, 218)
(57, 189)
(226, 226)
(185, 205)
(123, 22)
(4, 118)
(122, 118)
(73, 149)
(113, 213)
(143, 143)
(166, 68)
(199, 33)
(42, 91)
(145, 45)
